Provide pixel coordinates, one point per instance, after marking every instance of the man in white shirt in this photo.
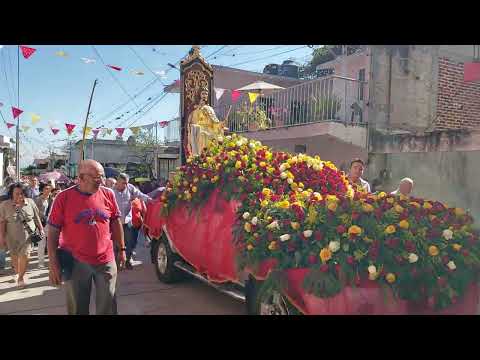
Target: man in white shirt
(357, 166)
(125, 193)
(404, 188)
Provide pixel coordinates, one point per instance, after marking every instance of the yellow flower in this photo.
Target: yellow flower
(270, 170)
(398, 209)
(331, 198)
(403, 197)
(300, 185)
(294, 186)
(263, 164)
(250, 247)
(225, 162)
(381, 195)
(390, 200)
(248, 227)
(390, 229)
(427, 205)
(254, 167)
(238, 164)
(264, 203)
(354, 230)
(283, 204)
(404, 224)
(456, 247)
(367, 207)
(317, 196)
(266, 192)
(215, 179)
(272, 246)
(194, 189)
(295, 225)
(325, 254)
(459, 212)
(367, 239)
(390, 277)
(417, 205)
(332, 206)
(433, 250)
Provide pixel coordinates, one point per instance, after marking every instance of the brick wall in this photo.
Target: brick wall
(458, 102)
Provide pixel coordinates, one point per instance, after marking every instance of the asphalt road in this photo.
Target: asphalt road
(139, 293)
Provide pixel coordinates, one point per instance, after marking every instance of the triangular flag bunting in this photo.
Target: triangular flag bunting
(70, 128)
(25, 128)
(253, 97)
(87, 130)
(219, 92)
(115, 67)
(120, 131)
(103, 132)
(88, 61)
(61, 53)
(109, 131)
(148, 127)
(235, 95)
(10, 125)
(138, 72)
(95, 132)
(55, 131)
(40, 130)
(16, 112)
(27, 51)
(35, 118)
(163, 123)
(135, 130)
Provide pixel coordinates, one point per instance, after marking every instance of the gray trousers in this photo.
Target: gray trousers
(79, 287)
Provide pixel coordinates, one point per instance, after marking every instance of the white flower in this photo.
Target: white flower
(307, 233)
(252, 145)
(285, 237)
(412, 258)
(317, 167)
(451, 265)
(372, 269)
(283, 175)
(283, 167)
(448, 234)
(334, 246)
(229, 137)
(220, 139)
(273, 225)
(246, 215)
(290, 180)
(255, 220)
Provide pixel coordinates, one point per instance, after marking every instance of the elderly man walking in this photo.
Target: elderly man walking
(88, 218)
(125, 193)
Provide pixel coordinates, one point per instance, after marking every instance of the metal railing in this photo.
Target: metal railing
(172, 131)
(333, 98)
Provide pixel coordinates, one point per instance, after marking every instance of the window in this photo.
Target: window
(361, 83)
(301, 149)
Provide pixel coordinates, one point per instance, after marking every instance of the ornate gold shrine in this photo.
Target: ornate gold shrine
(196, 78)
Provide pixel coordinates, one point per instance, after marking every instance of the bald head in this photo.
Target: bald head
(91, 175)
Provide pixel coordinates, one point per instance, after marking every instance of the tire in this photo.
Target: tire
(251, 291)
(263, 299)
(164, 260)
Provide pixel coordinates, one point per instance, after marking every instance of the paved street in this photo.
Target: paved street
(140, 293)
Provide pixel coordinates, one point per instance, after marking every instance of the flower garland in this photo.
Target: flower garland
(303, 212)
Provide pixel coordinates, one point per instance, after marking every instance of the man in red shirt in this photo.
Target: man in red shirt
(84, 214)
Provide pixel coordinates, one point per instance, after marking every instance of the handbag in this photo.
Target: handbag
(34, 236)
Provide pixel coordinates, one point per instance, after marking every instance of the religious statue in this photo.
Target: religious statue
(202, 126)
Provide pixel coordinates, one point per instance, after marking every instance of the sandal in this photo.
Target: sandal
(21, 284)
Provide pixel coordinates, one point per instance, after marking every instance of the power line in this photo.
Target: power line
(113, 76)
(267, 57)
(145, 64)
(216, 51)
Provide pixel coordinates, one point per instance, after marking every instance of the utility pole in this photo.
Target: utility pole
(82, 157)
(156, 149)
(17, 147)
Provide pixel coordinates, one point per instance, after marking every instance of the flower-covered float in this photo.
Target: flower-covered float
(298, 238)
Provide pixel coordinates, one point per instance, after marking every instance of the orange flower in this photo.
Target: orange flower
(354, 230)
(325, 254)
(433, 250)
(367, 207)
(390, 229)
(404, 224)
(390, 277)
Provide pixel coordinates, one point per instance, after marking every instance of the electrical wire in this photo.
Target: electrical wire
(267, 57)
(215, 52)
(145, 64)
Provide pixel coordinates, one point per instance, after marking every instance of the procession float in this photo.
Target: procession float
(290, 235)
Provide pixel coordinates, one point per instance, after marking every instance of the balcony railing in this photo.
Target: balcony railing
(334, 98)
(172, 131)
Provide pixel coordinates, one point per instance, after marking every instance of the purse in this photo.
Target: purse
(34, 236)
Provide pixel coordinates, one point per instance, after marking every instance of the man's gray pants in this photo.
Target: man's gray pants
(79, 288)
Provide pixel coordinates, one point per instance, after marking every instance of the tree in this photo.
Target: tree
(143, 148)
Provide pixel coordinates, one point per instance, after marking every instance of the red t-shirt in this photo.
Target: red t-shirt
(138, 213)
(84, 220)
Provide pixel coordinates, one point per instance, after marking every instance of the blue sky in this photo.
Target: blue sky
(58, 88)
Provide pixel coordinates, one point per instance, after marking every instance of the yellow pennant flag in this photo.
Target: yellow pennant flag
(253, 97)
(25, 128)
(35, 118)
(88, 130)
(135, 130)
(109, 131)
(61, 53)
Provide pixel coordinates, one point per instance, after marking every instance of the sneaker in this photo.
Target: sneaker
(128, 265)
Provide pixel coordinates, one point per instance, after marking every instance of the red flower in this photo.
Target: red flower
(355, 216)
(465, 252)
(312, 259)
(350, 260)
(442, 281)
(341, 229)
(338, 268)
(410, 246)
(399, 259)
(324, 268)
(318, 235)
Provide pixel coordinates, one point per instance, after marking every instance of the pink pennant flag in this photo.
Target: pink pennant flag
(95, 133)
(115, 67)
(120, 131)
(163, 123)
(70, 128)
(55, 131)
(235, 95)
(10, 125)
(16, 112)
(27, 51)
